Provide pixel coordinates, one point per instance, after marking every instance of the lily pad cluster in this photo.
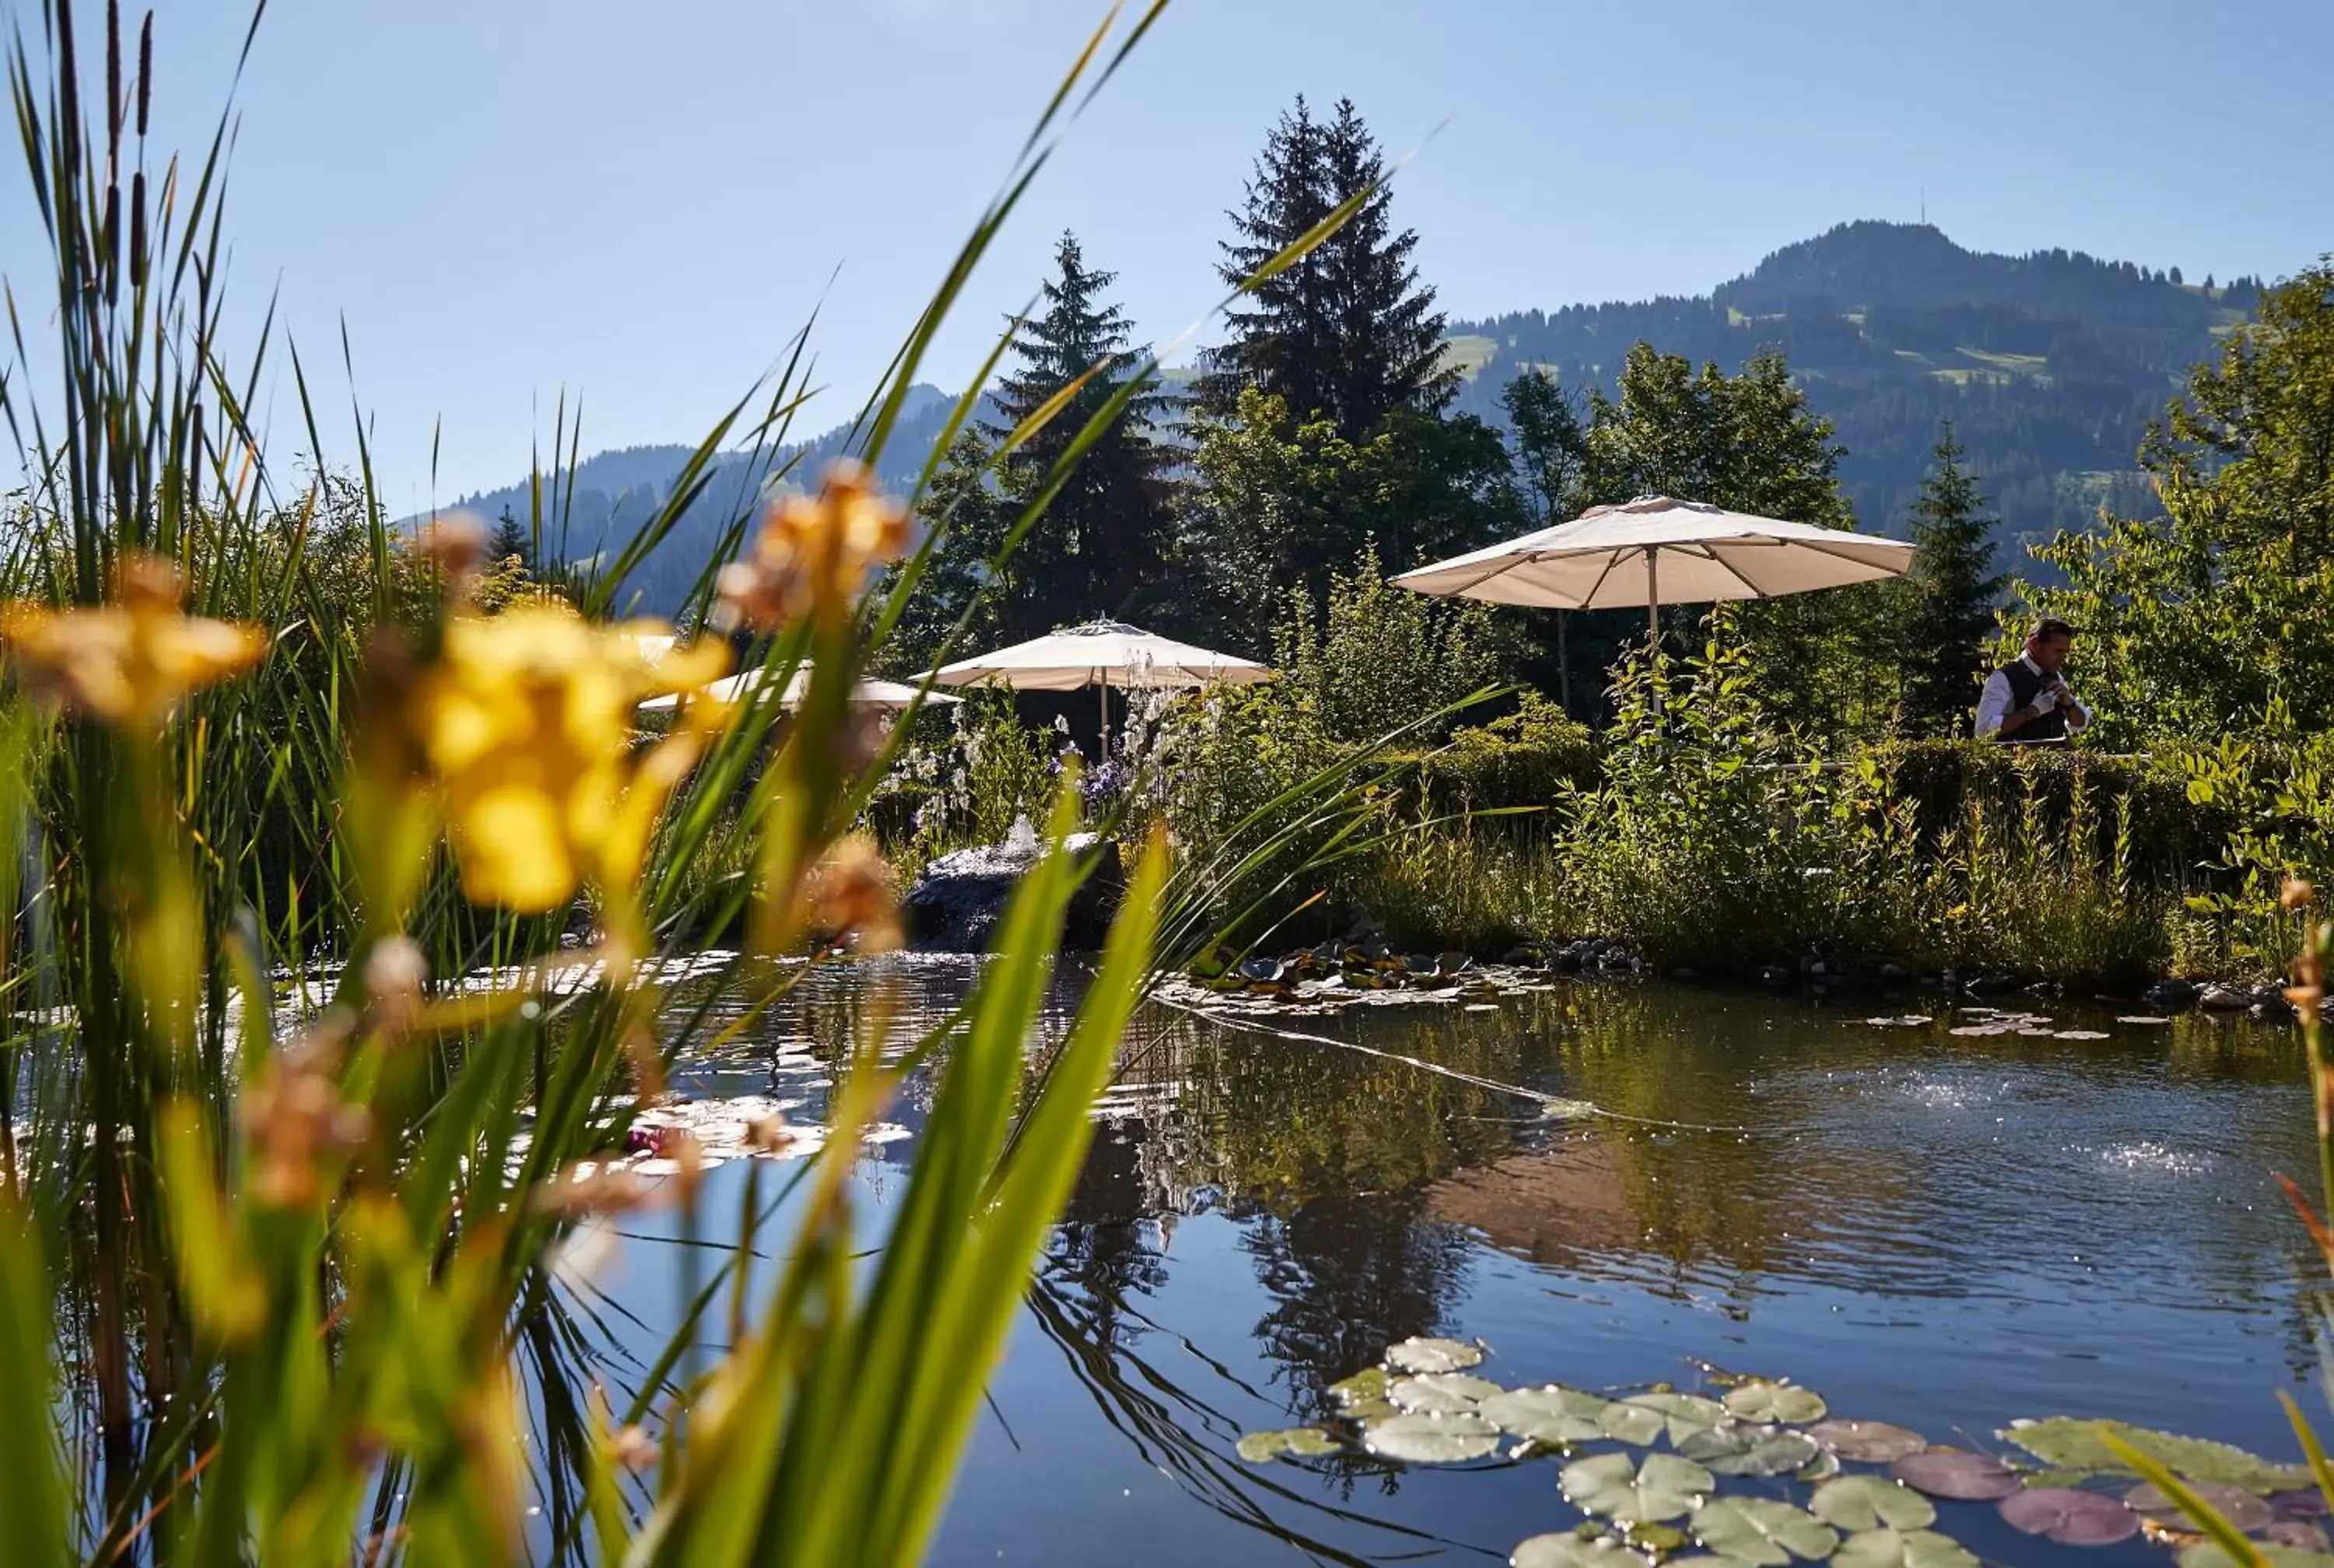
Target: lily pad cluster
(1317, 981)
(1757, 1472)
(1989, 1020)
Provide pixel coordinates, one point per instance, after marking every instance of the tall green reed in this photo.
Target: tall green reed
(283, 1202)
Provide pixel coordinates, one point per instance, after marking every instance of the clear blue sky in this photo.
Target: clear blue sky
(638, 204)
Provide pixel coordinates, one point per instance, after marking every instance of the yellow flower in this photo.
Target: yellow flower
(851, 893)
(526, 722)
(129, 662)
(814, 552)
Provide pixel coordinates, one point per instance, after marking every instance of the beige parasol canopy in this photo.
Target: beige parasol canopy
(1655, 551)
(888, 695)
(1104, 653)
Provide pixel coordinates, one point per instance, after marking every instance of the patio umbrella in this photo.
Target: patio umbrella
(888, 695)
(1104, 653)
(1655, 551)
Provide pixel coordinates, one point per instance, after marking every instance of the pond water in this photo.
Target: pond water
(1946, 1232)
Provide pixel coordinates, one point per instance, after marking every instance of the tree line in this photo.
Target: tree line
(1323, 426)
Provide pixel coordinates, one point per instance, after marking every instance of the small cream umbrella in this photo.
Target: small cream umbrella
(1103, 653)
(1655, 551)
(888, 696)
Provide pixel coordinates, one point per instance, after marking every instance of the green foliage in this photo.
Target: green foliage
(1377, 657)
(1527, 758)
(1106, 524)
(1748, 442)
(2192, 623)
(1276, 502)
(1946, 608)
(1348, 335)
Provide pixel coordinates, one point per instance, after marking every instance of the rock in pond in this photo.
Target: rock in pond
(2219, 998)
(2169, 994)
(959, 900)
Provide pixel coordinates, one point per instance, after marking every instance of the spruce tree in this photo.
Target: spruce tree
(1346, 332)
(1948, 597)
(511, 539)
(1105, 536)
(1552, 456)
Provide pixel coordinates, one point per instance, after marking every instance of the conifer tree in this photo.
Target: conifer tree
(1105, 536)
(1948, 596)
(511, 539)
(1346, 332)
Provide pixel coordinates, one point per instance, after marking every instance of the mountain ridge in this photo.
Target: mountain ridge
(2049, 364)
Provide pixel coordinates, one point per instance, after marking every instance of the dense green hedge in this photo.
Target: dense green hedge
(2169, 836)
(1525, 759)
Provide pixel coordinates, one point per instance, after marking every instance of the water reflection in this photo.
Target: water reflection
(1944, 1230)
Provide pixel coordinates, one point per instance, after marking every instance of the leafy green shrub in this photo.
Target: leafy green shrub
(1377, 657)
(1525, 759)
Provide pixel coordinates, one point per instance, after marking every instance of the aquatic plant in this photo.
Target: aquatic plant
(307, 1118)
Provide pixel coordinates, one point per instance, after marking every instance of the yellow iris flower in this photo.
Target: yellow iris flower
(130, 662)
(814, 552)
(525, 721)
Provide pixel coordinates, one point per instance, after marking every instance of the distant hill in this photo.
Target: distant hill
(611, 493)
(2049, 365)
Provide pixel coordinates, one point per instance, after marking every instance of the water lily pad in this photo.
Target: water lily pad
(1957, 1474)
(1867, 1442)
(1553, 1416)
(1617, 1487)
(1367, 1410)
(1822, 1468)
(2142, 1018)
(1369, 1383)
(1440, 1393)
(1762, 1530)
(1661, 1540)
(2079, 1034)
(2302, 1503)
(1682, 1415)
(2234, 1503)
(1735, 1449)
(1431, 1440)
(1433, 1355)
(1902, 1549)
(1627, 1421)
(1871, 1503)
(2298, 1534)
(1263, 1448)
(1784, 1402)
(2075, 1445)
(2069, 1517)
(1566, 1549)
(2209, 1555)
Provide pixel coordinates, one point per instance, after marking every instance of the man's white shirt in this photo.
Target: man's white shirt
(1993, 704)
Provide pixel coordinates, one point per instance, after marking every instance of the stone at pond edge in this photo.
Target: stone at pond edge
(1761, 1530)
(1956, 1474)
(2069, 1517)
(1431, 1355)
(959, 898)
(1902, 1549)
(1432, 1439)
(1784, 1402)
(1617, 1487)
(1858, 1503)
(1867, 1442)
(1263, 1448)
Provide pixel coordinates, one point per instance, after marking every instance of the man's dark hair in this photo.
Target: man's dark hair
(2049, 627)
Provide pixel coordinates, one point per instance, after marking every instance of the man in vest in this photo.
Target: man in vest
(2025, 702)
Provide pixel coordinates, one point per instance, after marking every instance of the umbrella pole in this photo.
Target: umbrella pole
(1653, 615)
(1101, 746)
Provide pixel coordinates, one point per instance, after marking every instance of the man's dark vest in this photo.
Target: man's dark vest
(2025, 685)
